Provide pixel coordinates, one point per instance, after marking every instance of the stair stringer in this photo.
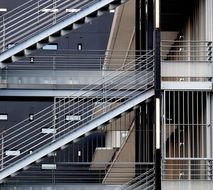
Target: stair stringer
(38, 154)
(11, 54)
(127, 152)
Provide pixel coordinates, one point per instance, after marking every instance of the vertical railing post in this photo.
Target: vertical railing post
(4, 33)
(54, 11)
(104, 91)
(38, 11)
(54, 72)
(6, 77)
(54, 119)
(2, 151)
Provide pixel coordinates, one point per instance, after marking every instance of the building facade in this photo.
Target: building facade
(106, 94)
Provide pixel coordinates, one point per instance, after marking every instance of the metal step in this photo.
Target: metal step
(73, 135)
(27, 42)
(102, 101)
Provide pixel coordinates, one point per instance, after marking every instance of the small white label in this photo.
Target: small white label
(72, 10)
(12, 152)
(48, 166)
(3, 117)
(48, 131)
(3, 10)
(49, 10)
(73, 118)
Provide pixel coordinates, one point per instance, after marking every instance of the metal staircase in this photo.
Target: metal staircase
(145, 181)
(37, 23)
(75, 116)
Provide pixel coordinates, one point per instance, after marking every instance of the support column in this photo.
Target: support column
(150, 24)
(144, 29)
(140, 44)
(157, 96)
(140, 25)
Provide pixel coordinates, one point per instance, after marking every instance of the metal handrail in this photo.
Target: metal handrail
(28, 20)
(90, 86)
(139, 180)
(31, 132)
(186, 51)
(51, 137)
(200, 169)
(114, 95)
(75, 56)
(81, 101)
(50, 67)
(80, 169)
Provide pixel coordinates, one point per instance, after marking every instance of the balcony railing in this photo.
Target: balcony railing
(145, 181)
(183, 61)
(28, 136)
(64, 69)
(187, 136)
(186, 51)
(188, 169)
(186, 61)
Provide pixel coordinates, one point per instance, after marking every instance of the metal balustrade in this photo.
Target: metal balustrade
(145, 181)
(64, 69)
(34, 16)
(186, 128)
(186, 61)
(36, 23)
(186, 136)
(88, 160)
(114, 90)
(188, 169)
(186, 51)
(71, 173)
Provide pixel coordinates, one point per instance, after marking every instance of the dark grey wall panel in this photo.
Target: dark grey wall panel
(93, 35)
(18, 109)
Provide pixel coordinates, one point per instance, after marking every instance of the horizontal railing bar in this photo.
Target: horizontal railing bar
(85, 119)
(189, 158)
(51, 122)
(30, 21)
(187, 41)
(29, 129)
(46, 26)
(186, 61)
(45, 139)
(99, 80)
(16, 8)
(143, 175)
(186, 124)
(62, 131)
(35, 120)
(103, 162)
